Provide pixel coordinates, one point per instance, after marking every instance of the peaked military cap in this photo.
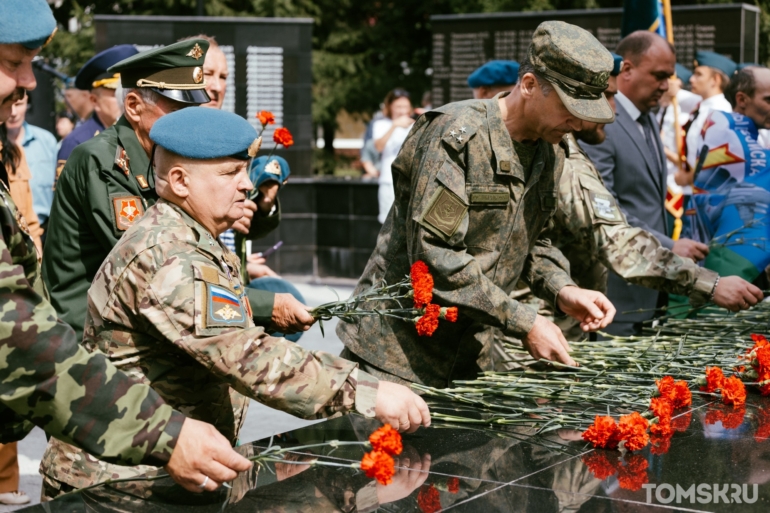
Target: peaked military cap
(94, 73)
(202, 133)
(495, 73)
(716, 61)
(577, 65)
(26, 22)
(683, 73)
(264, 170)
(617, 64)
(175, 71)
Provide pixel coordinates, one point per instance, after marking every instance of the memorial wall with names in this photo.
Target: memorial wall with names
(462, 43)
(269, 62)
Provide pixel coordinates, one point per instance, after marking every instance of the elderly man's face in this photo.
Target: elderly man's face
(215, 72)
(106, 105)
(218, 191)
(15, 74)
(756, 107)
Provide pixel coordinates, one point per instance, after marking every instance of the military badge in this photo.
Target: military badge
(444, 212)
(223, 307)
(127, 210)
(197, 75)
(140, 179)
(273, 167)
(604, 207)
(122, 160)
(196, 52)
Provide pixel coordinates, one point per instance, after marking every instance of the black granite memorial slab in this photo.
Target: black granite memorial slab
(477, 468)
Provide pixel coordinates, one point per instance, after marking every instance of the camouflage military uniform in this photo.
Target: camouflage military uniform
(593, 234)
(464, 205)
(167, 306)
(105, 187)
(47, 379)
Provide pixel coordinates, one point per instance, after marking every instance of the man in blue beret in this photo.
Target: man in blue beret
(47, 378)
(194, 340)
(492, 78)
(108, 183)
(94, 77)
(709, 80)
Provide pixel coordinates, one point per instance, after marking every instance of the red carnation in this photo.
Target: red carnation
(449, 313)
(633, 429)
(428, 499)
(379, 465)
(266, 118)
(422, 284)
(428, 323)
(600, 466)
(603, 433)
(633, 474)
(387, 440)
(283, 137)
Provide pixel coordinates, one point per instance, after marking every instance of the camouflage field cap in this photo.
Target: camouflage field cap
(174, 71)
(577, 65)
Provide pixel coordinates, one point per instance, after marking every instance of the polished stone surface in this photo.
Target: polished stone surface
(481, 469)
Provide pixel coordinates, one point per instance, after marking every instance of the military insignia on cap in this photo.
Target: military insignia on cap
(197, 75)
(122, 160)
(224, 307)
(444, 212)
(255, 146)
(273, 167)
(196, 52)
(127, 210)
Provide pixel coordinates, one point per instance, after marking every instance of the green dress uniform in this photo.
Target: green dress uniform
(169, 308)
(473, 207)
(108, 183)
(46, 378)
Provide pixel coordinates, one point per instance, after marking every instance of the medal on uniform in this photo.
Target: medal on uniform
(122, 160)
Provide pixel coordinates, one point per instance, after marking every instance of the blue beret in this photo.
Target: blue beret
(617, 64)
(96, 67)
(495, 73)
(204, 133)
(683, 73)
(259, 174)
(716, 61)
(27, 22)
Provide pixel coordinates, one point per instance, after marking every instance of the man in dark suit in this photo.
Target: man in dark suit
(632, 164)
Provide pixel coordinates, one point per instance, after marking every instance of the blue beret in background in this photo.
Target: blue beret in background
(96, 67)
(495, 73)
(27, 22)
(263, 170)
(683, 73)
(714, 60)
(203, 133)
(617, 64)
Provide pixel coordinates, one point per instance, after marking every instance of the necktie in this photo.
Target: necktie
(649, 135)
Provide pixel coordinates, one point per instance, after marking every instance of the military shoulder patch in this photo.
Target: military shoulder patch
(127, 209)
(444, 212)
(224, 308)
(604, 207)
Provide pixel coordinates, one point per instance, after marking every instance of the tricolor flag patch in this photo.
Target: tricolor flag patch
(224, 307)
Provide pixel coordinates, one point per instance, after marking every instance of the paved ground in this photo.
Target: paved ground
(261, 421)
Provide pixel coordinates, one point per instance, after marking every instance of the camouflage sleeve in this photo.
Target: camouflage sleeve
(48, 379)
(546, 271)
(633, 253)
(166, 293)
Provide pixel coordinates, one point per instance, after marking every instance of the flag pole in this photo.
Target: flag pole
(677, 212)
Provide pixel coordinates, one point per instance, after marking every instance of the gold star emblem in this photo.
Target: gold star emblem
(196, 52)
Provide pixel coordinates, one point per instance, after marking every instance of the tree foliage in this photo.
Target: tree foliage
(361, 48)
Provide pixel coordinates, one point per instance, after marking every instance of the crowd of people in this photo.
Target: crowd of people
(134, 339)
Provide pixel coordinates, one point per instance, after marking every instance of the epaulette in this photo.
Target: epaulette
(458, 134)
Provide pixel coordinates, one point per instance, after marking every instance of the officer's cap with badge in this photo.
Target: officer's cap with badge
(495, 73)
(201, 133)
(716, 61)
(29, 23)
(174, 71)
(264, 169)
(94, 73)
(577, 65)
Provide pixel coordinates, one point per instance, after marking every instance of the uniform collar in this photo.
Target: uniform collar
(207, 243)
